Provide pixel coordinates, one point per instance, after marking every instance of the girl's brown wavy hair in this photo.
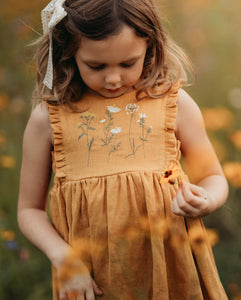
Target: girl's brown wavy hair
(165, 63)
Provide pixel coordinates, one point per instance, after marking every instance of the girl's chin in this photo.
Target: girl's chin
(111, 93)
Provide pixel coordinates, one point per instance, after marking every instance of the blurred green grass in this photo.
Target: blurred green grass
(210, 32)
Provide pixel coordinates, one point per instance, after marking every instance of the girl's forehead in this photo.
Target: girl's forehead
(123, 43)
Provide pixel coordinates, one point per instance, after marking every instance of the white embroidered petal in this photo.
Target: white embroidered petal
(116, 130)
(113, 109)
(131, 108)
(142, 116)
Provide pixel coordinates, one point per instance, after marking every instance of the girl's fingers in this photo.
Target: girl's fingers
(81, 297)
(188, 195)
(62, 295)
(89, 295)
(77, 290)
(195, 189)
(193, 194)
(97, 291)
(181, 207)
(190, 201)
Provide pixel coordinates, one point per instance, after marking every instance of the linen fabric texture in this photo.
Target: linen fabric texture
(108, 195)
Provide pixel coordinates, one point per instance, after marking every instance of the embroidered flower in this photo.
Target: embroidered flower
(116, 130)
(131, 108)
(113, 109)
(145, 130)
(110, 131)
(142, 116)
(87, 115)
(86, 127)
(171, 175)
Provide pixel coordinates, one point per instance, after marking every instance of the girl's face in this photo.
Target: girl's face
(112, 66)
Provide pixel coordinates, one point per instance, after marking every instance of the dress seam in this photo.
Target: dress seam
(108, 175)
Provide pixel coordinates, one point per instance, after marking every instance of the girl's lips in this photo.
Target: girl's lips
(113, 90)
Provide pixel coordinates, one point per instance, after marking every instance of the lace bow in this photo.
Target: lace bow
(51, 15)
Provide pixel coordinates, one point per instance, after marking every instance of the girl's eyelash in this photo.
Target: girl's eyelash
(96, 68)
(128, 65)
(101, 67)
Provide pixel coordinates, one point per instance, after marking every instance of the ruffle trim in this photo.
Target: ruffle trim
(172, 145)
(59, 162)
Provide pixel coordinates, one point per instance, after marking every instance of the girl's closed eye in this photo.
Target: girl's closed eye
(96, 67)
(102, 66)
(128, 64)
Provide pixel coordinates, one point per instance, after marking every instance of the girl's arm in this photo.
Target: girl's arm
(32, 217)
(34, 183)
(209, 190)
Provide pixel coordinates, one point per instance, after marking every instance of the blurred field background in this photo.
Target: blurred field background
(209, 31)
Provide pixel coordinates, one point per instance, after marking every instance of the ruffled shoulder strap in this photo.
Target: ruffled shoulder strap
(172, 145)
(59, 162)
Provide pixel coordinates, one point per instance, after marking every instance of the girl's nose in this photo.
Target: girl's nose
(113, 78)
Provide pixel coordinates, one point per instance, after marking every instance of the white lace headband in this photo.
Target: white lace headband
(51, 15)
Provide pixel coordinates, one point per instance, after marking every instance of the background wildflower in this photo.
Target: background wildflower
(2, 139)
(232, 171)
(235, 137)
(217, 118)
(7, 162)
(7, 235)
(4, 101)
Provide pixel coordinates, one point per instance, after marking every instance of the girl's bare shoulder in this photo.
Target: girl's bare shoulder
(188, 111)
(39, 123)
(186, 105)
(189, 124)
(40, 114)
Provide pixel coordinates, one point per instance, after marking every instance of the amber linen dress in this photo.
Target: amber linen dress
(109, 194)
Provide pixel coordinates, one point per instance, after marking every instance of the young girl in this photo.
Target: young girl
(112, 123)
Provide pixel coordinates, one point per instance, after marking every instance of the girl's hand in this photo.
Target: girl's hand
(79, 286)
(192, 201)
(75, 281)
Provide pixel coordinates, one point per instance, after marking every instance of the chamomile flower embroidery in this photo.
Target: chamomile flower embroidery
(142, 117)
(116, 130)
(131, 108)
(113, 109)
